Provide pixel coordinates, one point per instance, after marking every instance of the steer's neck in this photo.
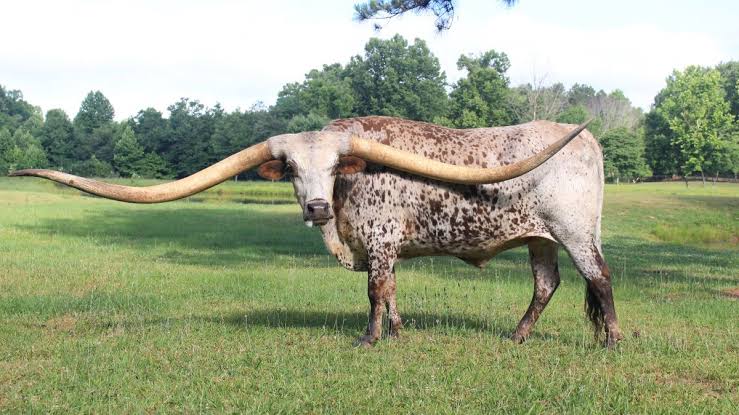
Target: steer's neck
(337, 247)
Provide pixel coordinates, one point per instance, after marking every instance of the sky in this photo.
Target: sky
(151, 53)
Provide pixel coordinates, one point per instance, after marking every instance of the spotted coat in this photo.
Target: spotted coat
(382, 215)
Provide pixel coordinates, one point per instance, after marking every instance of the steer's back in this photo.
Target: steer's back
(472, 222)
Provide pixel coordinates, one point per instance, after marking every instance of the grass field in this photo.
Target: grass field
(219, 304)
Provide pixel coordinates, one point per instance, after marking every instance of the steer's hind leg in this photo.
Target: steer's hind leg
(392, 308)
(381, 293)
(599, 294)
(543, 256)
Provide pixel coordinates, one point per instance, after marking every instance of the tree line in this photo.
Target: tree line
(690, 129)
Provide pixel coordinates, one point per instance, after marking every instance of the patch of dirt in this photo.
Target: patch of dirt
(708, 387)
(731, 292)
(62, 324)
(84, 289)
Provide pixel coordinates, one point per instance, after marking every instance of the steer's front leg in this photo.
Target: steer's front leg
(381, 293)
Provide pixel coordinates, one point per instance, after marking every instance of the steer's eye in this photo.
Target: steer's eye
(290, 168)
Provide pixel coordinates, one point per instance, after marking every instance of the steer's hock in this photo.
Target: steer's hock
(413, 163)
(195, 183)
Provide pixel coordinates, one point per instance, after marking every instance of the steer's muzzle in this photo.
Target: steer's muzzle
(317, 212)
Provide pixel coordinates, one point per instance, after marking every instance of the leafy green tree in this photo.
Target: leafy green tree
(623, 154)
(479, 99)
(104, 139)
(153, 131)
(289, 102)
(57, 137)
(192, 126)
(93, 127)
(238, 130)
(730, 81)
(21, 151)
(233, 132)
(6, 145)
(14, 110)
(580, 94)
(723, 156)
(34, 123)
(697, 117)
(153, 166)
(310, 122)
(398, 79)
(326, 93)
(578, 114)
(661, 155)
(92, 167)
(128, 154)
(95, 112)
(266, 123)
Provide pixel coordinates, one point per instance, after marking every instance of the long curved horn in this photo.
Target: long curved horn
(413, 163)
(197, 182)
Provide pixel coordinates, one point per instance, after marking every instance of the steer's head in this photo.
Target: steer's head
(311, 161)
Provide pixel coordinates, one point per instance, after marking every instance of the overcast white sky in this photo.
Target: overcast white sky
(150, 53)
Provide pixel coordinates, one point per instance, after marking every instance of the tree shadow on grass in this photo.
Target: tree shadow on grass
(718, 202)
(633, 260)
(226, 236)
(639, 261)
(194, 235)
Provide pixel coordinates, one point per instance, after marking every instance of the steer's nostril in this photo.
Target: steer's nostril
(317, 208)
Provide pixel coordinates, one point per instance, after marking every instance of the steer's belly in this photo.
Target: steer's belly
(477, 253)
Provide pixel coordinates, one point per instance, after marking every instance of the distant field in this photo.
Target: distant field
(226, 302)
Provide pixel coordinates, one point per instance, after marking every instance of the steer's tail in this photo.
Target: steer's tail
(594, 309)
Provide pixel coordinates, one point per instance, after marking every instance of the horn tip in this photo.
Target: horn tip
(25, 172)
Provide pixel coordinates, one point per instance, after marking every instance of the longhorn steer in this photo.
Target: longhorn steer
(384, 189)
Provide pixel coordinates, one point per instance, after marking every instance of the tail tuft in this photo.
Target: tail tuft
(594, 310)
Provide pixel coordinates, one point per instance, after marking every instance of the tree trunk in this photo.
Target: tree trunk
(703, 178)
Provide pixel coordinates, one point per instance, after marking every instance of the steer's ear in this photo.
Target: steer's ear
(272, 170)
(350, 165)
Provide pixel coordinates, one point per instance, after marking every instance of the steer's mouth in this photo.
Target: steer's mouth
(317, 222)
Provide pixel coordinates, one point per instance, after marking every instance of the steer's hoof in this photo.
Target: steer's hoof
(394, 332)
(365, 341)
(518, 338)
(612, 340)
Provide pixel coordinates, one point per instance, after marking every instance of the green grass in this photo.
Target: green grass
(223, 306)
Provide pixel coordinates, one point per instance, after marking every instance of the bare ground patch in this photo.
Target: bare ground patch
(62, 324)
(708, 387)
(731, 292)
